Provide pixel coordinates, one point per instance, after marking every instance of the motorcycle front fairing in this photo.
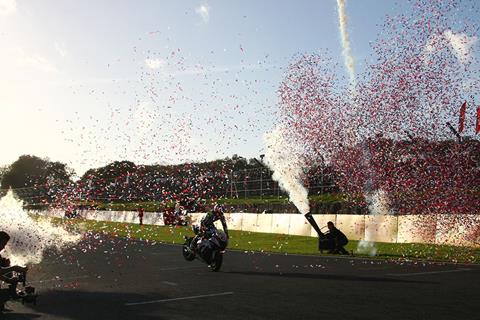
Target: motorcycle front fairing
(205, 250)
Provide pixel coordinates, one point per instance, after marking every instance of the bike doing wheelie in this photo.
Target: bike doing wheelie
(209, 243)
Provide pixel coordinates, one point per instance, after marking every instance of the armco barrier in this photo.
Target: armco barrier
(440, 229)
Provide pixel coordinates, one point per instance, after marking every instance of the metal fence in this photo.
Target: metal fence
(258, 182)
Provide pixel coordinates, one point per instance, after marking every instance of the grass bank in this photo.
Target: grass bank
(279, 243)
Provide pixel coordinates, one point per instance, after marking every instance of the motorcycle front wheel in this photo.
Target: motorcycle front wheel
(188, 254)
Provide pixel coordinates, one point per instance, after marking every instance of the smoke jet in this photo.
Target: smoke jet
(286, 161)
(347, 50)
(29, 238)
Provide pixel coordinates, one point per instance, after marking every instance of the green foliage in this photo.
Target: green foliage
(117, 169)
(111, 171)
(32, 171)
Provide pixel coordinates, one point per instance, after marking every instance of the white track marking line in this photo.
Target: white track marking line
(428, 272)
(60, 279)
(178, 299)
(179, 268)
(170, 283)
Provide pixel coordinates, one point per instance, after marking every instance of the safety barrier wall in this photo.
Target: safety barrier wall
(153, 218)
(439, 229)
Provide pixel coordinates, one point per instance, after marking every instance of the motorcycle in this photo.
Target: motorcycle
(210, 250)
(27, 295)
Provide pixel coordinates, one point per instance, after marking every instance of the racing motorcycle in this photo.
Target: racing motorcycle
(210, 249)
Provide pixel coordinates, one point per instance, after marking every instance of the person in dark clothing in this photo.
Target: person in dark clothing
(4, 238)
(338, 239)
(140, 215)
(5, 267)
(207, 224)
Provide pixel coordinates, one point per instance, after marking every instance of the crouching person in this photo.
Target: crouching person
(337, 239)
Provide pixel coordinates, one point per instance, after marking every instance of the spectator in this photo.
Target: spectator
(140, 215)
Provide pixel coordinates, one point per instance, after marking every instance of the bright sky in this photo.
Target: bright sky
(89, 82)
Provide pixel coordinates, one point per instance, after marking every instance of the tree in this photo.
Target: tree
(36, 176)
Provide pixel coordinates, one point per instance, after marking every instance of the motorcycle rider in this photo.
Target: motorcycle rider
(207, 224)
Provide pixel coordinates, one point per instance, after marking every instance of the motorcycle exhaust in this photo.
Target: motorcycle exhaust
(313, 223)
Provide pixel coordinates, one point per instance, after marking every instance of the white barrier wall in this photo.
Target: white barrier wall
(440, 229)
(234, 221)
(264, 223)
(321, 220)
(381, 228)
(195, 218)
(417, 229)
(153, 218)
(281, 223)
(458, 230)
(249, 222)
(353, 226)
(299, 227)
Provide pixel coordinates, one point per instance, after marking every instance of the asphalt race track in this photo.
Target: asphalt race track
(114, 278)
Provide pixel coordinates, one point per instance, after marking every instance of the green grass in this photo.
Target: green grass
(268, 242)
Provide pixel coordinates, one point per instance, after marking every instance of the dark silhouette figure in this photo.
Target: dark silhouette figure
(337, 239)
(140, 215)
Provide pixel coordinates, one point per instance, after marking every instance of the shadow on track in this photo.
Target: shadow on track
(83, 305)
(19, 316)
(334, 277)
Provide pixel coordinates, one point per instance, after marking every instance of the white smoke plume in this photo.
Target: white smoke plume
(378, 204)
(285, 159)
(347, 50)
(460, 43)
(29, 238)
(367, 247)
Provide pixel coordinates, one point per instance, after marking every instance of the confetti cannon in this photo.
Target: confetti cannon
(27, 295)
(324, 243)
(313, 223)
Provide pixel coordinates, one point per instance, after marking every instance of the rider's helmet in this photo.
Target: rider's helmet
(218, 209)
